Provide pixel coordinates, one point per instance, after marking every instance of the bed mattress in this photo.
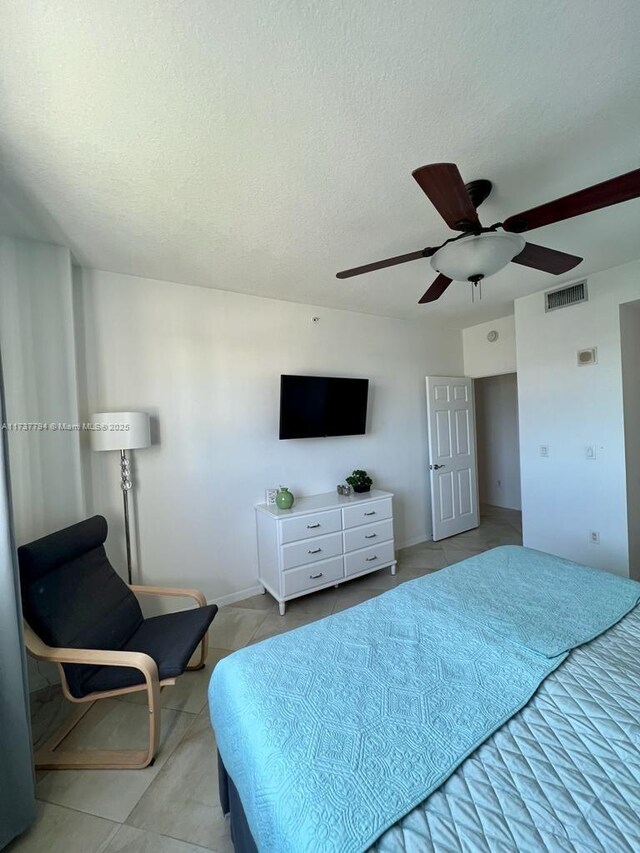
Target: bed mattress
(320, 728)
(562, 775)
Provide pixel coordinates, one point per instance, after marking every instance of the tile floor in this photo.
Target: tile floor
(173, 806)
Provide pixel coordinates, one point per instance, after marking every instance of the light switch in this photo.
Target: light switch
(544, 450)
(590, 452)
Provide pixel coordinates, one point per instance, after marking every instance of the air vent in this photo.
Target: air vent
(563, 297)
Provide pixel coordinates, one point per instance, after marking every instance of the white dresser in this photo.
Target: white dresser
(322, 541)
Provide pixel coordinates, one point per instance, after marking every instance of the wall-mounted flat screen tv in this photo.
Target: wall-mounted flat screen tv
(318, 406)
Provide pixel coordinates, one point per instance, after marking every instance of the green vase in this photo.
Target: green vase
(284, 498)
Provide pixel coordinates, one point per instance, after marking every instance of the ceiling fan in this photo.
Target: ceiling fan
(480, 252)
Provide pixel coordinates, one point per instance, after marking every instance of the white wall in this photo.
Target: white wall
(498, 443)
(482, 358)
(207, 363)
(630, 339)
(568, 408)
(39, 366)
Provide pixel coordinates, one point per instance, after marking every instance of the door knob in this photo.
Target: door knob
(435, 467)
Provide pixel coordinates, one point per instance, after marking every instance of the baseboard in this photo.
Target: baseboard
(234, 597)
(417, 540)
(500, 506)
(188, 604)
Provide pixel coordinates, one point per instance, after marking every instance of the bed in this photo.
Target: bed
(491, 706)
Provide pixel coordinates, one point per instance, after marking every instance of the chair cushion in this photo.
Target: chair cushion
(72, 597)
(48, 553)
(169, 639)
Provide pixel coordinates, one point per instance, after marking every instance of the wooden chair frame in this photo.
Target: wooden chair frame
(49, 757)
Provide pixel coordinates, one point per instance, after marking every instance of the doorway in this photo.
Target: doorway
(498, 441)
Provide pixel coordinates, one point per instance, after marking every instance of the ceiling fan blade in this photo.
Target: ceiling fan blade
(443, 185)
(547, 260)
(436, 290)
(613, 191)
(388, 262)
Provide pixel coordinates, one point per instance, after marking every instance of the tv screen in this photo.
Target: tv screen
(318, 406)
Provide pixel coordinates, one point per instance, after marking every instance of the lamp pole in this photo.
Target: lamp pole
(125, 485)
(122, 431)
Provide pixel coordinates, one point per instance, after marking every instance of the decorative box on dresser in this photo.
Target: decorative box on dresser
(322, 541)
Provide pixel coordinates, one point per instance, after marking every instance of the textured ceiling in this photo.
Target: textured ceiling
(262, 146)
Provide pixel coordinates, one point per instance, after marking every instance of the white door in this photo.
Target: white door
(452, 455)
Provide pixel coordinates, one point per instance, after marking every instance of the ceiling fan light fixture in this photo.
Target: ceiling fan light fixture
(477, 255)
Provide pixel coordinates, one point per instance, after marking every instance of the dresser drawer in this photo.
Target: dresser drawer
(368, 534)
(367, 512)
(308, 577)
(307, 526)
(368, 558)
(319, 548)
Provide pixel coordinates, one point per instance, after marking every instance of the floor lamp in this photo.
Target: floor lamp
(122, 431)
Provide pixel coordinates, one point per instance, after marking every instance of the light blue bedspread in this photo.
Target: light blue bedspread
(544, 603)
(561, 776)
(335, 731)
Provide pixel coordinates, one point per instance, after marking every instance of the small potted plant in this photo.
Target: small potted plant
(360, 481)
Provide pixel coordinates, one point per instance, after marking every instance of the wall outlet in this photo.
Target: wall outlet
(594, 537)
(544, 450)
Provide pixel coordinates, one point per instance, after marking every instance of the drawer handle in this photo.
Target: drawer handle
(373, 512)
(369, 559)
(313, 526)
(314, 577)
(371, 536)
(315, 551)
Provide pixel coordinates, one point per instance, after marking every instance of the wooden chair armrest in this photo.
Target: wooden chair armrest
(97, 657)
(48, 756)
(170, 590)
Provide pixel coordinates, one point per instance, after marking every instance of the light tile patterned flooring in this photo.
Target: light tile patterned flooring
(173, 806)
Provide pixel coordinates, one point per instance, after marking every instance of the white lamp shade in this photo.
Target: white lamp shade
(477, 255)
(120, 431)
